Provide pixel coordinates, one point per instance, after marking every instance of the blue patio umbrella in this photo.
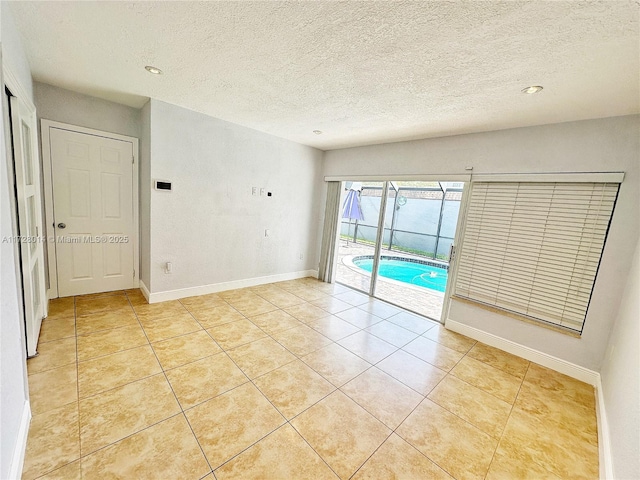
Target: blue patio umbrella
(351, 208)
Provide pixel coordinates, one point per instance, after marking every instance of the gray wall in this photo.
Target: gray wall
(610, 144)
(210, 227)
(65, 106)
(620, 379)
(13, 372)
(145, 195)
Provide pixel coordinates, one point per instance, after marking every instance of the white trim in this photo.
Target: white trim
(144, 290)
(221, 287)
(604, 439)
(13, 84)
(554, 363)
(17, 460)
(391, 178)
(596, 177)
(45, 126)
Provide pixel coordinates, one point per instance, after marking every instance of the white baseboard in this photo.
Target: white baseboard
(144, 290)
(604, 440)
(17, 461)
(554, 363)
(221, 287)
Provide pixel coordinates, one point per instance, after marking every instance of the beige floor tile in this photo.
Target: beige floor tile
(308, 294)
(237, 295)
(499, 359)
(104, 373)
(382, 396)
(203, 379)
(331, 304)
(185, 349)
(336, 364)
(454, 445)
(158, 329)
(341, 432)
(282, 298)
(358, 317)
(276, 321)
(252, 307)
(561, 385)
(434, 353)
(450, 339)
(95, 322)
(301, 340)
(259, 357)
(504, 467)
(203, 302)
(333, 327)
(93, 296)
(281, 455)
(230, 335)
(159, 310)
(293, 388)
(487, 378)
(118, 413)
(229, 423)
(353, 298)
(53, 441)
(476, 406)
(396, 459)
(214, 316)
(306, 312)
(71, 471)
(106, 342)
(331, 288)
(53, 388)
(57, 328)
(413, 372)
(557, 407)
(62, 307)
(380, 309)
(567, 454)
(136, 297)
(87, 305)
(367, 346)
(410, 321)
(392, 333)
(53, 355)
(165, 450)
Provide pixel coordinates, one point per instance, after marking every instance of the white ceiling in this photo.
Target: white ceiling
(362, 72)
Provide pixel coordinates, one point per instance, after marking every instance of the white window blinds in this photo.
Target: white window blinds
(534, 248)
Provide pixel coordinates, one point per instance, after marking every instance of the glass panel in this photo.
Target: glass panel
(26, 148)
(413, 266)
(358, 232)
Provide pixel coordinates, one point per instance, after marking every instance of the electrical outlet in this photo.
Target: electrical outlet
(262, 190)
(301, 256)
(254, 191)
(168, 268)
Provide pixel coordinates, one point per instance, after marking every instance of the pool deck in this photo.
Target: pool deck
(420, 300)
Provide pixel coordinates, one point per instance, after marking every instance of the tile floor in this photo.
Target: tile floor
(292, 380)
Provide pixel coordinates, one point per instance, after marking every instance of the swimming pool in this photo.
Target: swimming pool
(413, 273)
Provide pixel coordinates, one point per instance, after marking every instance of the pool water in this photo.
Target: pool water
(408, 272)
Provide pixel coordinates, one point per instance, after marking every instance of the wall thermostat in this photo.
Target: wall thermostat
(163, 185)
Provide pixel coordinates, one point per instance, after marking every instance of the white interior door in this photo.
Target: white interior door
(93, 212)
(27, 174)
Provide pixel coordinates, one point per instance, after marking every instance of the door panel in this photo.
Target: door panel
(93, 199)
(27, 176)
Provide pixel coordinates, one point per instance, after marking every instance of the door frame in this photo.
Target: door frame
(45, 131)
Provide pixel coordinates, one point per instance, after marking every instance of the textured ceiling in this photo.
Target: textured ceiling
(362, 72)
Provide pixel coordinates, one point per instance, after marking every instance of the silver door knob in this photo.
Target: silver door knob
(62, 225)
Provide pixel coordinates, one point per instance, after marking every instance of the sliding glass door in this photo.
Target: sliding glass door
(400, 252)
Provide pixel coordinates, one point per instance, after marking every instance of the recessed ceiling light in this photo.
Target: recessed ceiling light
(532, 89)
(154, 70)
(318, 132)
